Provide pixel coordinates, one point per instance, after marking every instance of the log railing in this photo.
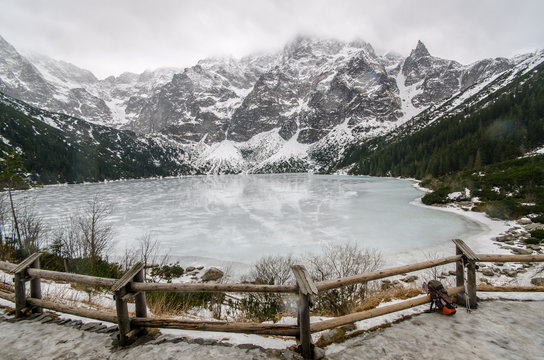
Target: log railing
(131, 286)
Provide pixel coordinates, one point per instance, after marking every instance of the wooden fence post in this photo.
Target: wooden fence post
(122, 292)
(20, 296)
(469, 259)
(471, 284)
(20, 278)
(459, 277)
(139, 299)
(306, 288)
(36, 286)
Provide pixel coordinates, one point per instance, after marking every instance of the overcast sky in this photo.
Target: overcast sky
(109, 37)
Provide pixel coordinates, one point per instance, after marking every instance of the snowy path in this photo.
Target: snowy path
(497, 330)
(26, 340)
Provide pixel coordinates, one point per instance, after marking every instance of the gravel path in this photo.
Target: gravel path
(497, 330)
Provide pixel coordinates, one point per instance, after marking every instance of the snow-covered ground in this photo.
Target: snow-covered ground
(496, 330)
(27, 340)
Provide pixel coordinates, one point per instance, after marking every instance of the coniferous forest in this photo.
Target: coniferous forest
(506, 126)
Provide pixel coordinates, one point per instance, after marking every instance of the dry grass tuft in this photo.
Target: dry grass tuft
(375, 298)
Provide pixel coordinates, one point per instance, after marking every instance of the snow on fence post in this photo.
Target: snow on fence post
(306, 288)
(121, 289)
(21, 277)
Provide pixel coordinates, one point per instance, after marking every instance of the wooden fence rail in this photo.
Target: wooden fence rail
(131, 286)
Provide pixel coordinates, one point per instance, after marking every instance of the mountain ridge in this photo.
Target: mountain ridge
(296, 110)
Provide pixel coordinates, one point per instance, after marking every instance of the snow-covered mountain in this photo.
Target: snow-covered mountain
(295, 110)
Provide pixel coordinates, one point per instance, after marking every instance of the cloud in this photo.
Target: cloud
(109, 37)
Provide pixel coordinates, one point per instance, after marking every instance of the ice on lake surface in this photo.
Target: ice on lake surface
(241, 218)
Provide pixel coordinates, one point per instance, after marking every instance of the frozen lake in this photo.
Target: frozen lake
(241, 218)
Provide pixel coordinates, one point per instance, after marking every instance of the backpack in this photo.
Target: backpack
(440, 298)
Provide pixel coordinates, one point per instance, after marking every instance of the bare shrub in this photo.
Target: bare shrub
(438, 272)
(273, 270)
(270, 270)
(97, 234)
(31, 228)
(337, 261)
(376, 297)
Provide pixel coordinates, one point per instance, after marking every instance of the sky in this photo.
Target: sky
(109, 37)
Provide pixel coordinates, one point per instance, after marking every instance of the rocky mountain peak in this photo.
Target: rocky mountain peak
(420, 51)
(307, 46)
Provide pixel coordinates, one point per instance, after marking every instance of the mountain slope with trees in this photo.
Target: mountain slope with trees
(503, 126)
(57, 148)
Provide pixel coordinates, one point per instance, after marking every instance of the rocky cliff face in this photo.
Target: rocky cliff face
(296, 110)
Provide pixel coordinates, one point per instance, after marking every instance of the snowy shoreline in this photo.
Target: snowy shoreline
(482, 243)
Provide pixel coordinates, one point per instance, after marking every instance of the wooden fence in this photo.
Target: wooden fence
(131, 286)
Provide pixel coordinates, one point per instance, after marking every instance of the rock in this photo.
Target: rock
(533, 247)
(319, 353)
(504, 238)
(212, 274)
(524, 221)
(190, 268)
(348, 327)
(537, 281)
(522, 251)
(509, 272)
(159, 340)
(534, 226)
(410, 279)
(332, 335)
(249, 347)
(63, 321)
(46, 320)
(488, 272)
(90, 326)
(98, 328)
(200, 268)
(386, 284)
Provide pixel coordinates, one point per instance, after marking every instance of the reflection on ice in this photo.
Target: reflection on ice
(244, 217)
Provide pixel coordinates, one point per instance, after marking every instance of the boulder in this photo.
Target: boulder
(504, 238)
(537, 281)
(348, 327)
(333, 335)
(190, 268)
(523, 251)
(410, 279)
(488, 272)
(510, 272)
(212, 274)
(525, 221)
(319, 353)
